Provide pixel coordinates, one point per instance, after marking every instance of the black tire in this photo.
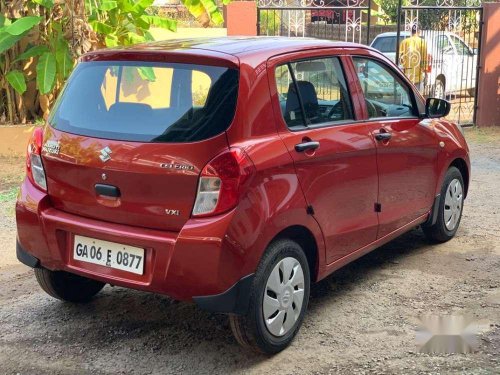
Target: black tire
(250, 330)
(67, 286)
(439, 232)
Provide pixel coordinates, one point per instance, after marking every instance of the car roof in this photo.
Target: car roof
(393, 33)
(241, 47)
(422, 33)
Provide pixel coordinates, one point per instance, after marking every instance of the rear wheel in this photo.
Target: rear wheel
(278, 300)
(449, 209)
(67, 286)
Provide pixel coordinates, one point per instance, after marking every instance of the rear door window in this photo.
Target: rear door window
(313, 92)
(147, 102)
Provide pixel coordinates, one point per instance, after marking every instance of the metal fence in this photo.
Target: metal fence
(334, 19)
(451, 30)
(445, 64)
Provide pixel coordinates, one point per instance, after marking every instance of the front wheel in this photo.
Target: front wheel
(449, 208)
(278, 300)
(67, 286)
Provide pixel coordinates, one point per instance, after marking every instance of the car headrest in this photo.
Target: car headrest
(310, 66)
(308, 95)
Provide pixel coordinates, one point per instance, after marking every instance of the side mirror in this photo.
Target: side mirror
(436, 108)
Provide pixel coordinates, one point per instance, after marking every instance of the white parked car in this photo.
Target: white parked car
(452, 63)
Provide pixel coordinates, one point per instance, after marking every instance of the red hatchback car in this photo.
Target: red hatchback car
(232, 173)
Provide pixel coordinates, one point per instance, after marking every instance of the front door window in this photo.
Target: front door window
(385, 94)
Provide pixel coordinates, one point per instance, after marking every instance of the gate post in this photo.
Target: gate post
(488, 93)
(241, 18)
(398, 31)
(368, 22)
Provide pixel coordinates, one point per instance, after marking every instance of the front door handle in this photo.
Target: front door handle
(383, 136)
(304, 146)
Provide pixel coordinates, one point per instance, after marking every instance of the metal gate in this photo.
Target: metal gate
(448, 64)
(442, 59)
(347, 20)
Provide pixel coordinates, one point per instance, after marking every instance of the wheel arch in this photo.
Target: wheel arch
(461, 165)
(305, 238)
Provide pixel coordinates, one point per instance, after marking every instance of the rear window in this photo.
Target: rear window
(147, 102)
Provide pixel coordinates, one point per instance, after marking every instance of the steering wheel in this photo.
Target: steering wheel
(372, 109)
(335, 110)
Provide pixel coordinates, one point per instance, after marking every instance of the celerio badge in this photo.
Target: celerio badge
(105, 154)
(51, 147)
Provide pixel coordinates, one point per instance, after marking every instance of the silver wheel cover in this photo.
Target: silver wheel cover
(283, 296)
(453, 204)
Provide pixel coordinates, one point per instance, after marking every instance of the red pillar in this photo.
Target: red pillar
(241, 18)
(488, 98)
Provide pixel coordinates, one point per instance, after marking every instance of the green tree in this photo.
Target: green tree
(65, 29)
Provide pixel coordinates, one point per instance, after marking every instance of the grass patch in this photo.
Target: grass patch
(7, 202)
(9, 195)
(483, 135)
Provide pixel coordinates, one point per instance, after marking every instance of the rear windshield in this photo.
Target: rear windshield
(138, 101)
(386, 43)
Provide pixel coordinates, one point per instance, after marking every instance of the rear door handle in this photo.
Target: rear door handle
(304, 146)
(383, 136)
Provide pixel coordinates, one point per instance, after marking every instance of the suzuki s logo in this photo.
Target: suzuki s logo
(105, 154)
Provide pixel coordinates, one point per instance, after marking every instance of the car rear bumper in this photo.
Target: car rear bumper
(198, 263)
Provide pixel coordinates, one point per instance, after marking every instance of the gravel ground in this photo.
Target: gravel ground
(362, 319)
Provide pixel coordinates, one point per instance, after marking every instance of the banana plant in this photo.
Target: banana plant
(54, 57)
(55, 61)
(200, 8)
(10, 33)
(124, 22)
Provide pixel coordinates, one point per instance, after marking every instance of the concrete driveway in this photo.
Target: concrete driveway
(362, 319)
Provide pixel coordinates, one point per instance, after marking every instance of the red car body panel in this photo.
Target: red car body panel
(188, 257)
(71, 176)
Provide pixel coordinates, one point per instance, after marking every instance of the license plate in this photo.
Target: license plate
(109, 254)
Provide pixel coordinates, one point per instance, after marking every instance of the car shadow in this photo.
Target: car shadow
(149, 329)
(359, 271)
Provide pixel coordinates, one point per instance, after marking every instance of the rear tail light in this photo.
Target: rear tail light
(34, 166)
(222, 182)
